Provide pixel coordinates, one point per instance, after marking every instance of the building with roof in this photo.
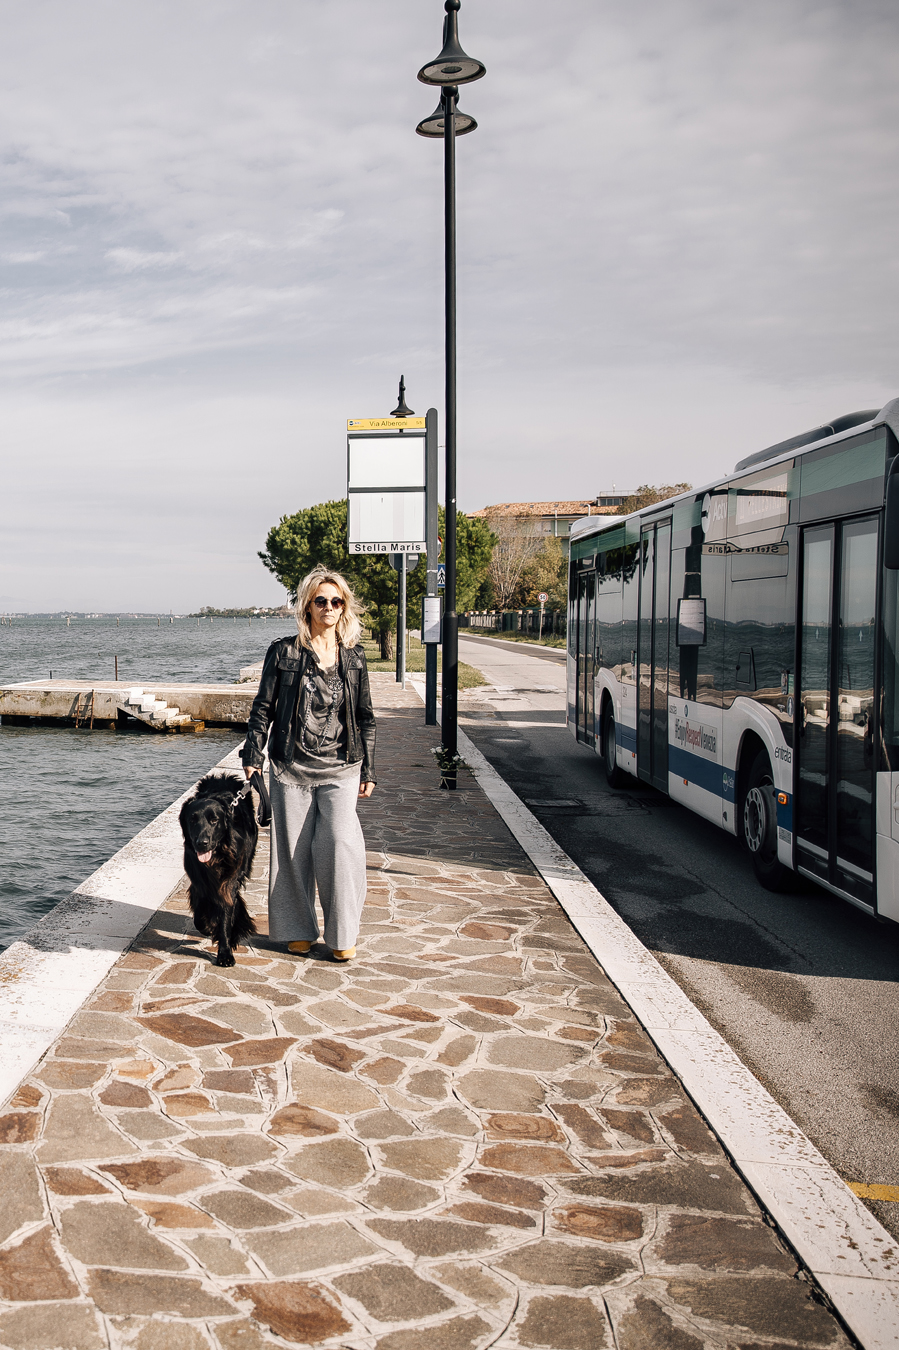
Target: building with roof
(555, 518)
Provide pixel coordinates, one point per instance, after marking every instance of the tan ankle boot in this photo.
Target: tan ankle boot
(299, 948)
(346, 955)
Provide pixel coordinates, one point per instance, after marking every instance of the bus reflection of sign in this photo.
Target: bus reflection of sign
(691, 622)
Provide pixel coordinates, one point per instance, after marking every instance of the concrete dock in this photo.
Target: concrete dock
(105, 702)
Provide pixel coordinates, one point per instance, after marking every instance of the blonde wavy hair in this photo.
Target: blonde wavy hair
(349, 627)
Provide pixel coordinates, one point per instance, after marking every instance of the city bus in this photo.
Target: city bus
(736, 648)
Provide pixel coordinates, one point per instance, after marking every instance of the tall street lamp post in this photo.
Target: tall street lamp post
(450, 69)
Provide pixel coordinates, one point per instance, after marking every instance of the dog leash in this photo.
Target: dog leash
(264, 815)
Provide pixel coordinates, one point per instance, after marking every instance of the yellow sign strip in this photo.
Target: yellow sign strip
(386, 424)
(875, 1192)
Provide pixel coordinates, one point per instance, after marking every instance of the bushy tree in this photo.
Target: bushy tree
(648, 496)
(318, 534)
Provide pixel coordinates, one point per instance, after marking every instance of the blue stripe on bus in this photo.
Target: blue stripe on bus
(711, 777)
(627, 737)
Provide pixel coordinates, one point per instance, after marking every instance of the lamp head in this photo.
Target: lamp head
(401, 410)
(435, 125)
(452, 66)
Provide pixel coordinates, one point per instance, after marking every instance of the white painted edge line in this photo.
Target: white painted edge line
(852, 1256)
(48, 974)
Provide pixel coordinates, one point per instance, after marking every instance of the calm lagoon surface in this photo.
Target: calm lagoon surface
(70, 798)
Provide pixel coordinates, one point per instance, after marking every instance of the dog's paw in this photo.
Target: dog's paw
(225, 959)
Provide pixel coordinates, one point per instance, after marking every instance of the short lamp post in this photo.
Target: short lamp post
(450, 69)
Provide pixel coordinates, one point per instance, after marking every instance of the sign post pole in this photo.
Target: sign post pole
(433, 546)
(401, 622)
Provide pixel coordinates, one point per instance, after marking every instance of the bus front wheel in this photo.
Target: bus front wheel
(614, 775)
(759, 826)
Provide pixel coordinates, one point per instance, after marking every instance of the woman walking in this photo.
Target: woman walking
(314, 693)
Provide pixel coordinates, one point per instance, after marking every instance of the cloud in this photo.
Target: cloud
(676, 243)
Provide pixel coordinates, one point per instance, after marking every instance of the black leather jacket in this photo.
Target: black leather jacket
(276, 703)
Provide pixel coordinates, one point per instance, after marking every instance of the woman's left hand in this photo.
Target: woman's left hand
(366, 789)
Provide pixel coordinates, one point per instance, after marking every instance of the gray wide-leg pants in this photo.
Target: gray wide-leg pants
(316, 841)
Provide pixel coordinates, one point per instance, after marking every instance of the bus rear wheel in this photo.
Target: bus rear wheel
(614, 775)
(759, 826)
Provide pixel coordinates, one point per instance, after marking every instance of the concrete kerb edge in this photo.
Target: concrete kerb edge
(851, 1256)
(47, 975)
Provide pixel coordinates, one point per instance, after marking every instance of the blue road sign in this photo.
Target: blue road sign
(441, 576)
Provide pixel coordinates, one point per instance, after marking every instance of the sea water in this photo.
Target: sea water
(70, 798)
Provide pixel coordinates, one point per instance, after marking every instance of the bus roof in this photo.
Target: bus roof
(832, 433)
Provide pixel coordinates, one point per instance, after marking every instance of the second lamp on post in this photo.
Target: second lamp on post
(450, 69)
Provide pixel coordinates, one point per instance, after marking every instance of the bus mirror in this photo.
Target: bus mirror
(691, 622)
(891, 524)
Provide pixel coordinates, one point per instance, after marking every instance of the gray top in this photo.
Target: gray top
(320, 755)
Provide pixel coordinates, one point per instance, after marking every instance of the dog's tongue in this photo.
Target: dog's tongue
(204, 857)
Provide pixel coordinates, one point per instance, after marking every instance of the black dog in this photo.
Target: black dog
(220, 836)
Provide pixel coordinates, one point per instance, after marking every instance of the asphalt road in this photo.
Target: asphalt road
(803, 986)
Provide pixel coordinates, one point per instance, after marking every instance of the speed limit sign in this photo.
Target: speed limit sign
(543, 597)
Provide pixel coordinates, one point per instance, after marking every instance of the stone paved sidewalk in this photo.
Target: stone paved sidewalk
(464, 1139)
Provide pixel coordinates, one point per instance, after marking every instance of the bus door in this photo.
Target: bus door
(586, 638)
(836, 762)
(652, 654)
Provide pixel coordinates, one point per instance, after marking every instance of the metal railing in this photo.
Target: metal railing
(524, 621)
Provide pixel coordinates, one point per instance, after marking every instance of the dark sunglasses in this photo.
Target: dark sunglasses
(322, 602)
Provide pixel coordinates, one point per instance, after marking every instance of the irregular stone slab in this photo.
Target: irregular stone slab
(300, 1312)
(234, 1150)
(117, 1292)
(563, 1323)
(242, 1334)
(586, 1126)
(497, 1007)
(478, 1212)
(462, 1333)
(269, 1051)
(458, 1051)
(111, 1234)
(647, 1326)
(218, 1256)
(245, 1017)
(168, 1214)
(266, 1180)
(533, 1053)
(294, 1251)
(646, 1092)
(430, 1084)
(32, 1270)
(688, 1130)
(393, 1293)
(516, 1126)
(67, 1181)
(242, 1209)
(170, 1336)
(410, 1013)
(721, 1244)
(125, 1094)
(474, 1283)
(769, 1306)
(383, 1125)
(492, 1091)
(424, 1159)
(71, 1047)
(384, 1070)
(505, 1190)
(185, 1029)
(58, 1073)
(340, 1163)
(314, 1085)
(487, 932)
(52, 1326)
(303, 1121)
(632, 1123)
(21, 1192)
(686, 1185)
(182, 1104)
(101, 1026)
(222, 1080)
(619, 1061)
(74, 1130)
(148, 1125)
(561, 1263)
(19, 1127)
(633, 1158)
(452, 1120)
(433, 1237)
(527, 1160)
(332, 1012)
(333, 1054)
(606, 1223)
(160, 1176)
(400, 1194)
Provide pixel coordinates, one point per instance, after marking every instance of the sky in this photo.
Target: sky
(220, 238)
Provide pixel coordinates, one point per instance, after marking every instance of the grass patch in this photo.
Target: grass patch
(558, 642)
(469, 678)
